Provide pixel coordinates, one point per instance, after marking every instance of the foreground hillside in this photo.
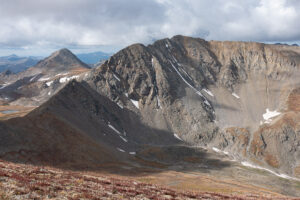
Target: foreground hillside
(19, 181)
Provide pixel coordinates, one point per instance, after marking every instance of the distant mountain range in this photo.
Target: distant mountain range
(94, 57)
(16, 64)
(296, 45)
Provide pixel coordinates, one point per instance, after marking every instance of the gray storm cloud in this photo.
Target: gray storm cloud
(34, 23)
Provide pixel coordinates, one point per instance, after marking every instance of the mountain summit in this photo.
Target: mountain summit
(61, 60)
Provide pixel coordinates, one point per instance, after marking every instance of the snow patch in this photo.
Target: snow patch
(66, 79)
(32, 78)
(158, 102)
(63, 80)
(135, 103)
(198, 92)
(5, 85)
(176, 136)
(116, 77)
(120, 150)
(126, 94)
(113, 128)
(220, 151)
(269, 115)
(285, 176)
(44, 79)
(175, 60)
(208, 92)
(125, 140)
(49, 83)
(49, 93)
(62, 74)
(120, 105)
(167, 45)
(132, 153)
(235, 95)
(216, 150)
(152, 62)
(206, 102)
(185, 72)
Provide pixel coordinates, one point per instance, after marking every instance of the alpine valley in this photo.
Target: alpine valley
(182, 118)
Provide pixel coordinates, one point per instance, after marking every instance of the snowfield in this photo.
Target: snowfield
(269, 115)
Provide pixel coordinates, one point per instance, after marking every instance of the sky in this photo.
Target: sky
(36, 27)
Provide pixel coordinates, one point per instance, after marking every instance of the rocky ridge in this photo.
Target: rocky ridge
(212, 94)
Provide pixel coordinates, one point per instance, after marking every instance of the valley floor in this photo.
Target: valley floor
(20, 181)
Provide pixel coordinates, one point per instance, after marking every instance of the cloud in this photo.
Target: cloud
(255, 20)
(82, 22)
(40, 24)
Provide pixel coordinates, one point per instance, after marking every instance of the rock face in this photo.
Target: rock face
(213, 94)
(239, 97)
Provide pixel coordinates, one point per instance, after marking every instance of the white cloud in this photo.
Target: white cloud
(55, 23)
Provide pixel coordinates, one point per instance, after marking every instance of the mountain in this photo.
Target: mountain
(227, 111)
(38, 83)
(80, 118)
(60, 61)
(286, 44)
(94, 57)
(17, 64)
(235, 96)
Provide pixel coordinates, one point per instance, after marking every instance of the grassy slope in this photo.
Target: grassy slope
(19, 181)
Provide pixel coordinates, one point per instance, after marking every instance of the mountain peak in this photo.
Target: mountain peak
(13, 55)
(65, 50)
(61, 60)
(62, 52)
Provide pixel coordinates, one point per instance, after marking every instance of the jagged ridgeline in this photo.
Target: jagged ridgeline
(238, 98)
